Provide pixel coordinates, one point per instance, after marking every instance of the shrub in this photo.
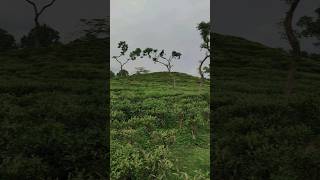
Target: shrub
(7, 41)
(43, 36)
(123, 73)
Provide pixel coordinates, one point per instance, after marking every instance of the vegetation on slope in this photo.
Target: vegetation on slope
(52, 111)
(259, 133)
(158, 132)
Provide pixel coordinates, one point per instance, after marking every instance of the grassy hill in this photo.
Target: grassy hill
(52, 112)
(157, 121)
(258, 133)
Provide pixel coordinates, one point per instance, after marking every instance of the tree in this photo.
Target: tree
(42, 36)
(141, 70)
(204, 28)
(293, 41)
(162, 59)
(37, 13)
(112, 75)
(122, 59)
(206, 69)
(310, 26)
(7, 41)
(123, 73)
(96, 28)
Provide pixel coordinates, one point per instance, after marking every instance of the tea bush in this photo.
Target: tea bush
(145, 128)
(52, 112)
(258, 132)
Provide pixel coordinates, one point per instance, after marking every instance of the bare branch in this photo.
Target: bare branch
(161, 62)
(46, 6)
(35, 8)
(126, 62)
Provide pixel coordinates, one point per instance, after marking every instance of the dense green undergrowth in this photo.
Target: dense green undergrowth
(157, 131)
(53, 112)
(258, 132)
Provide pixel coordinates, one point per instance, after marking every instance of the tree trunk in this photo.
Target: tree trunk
(200, 70)
(295, 45)
(172, 76)
(37, 31)
(201, 75)
(37, 14)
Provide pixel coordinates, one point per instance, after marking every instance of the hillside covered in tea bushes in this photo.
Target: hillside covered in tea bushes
(53, 112)
(258, 132)
(157, 131)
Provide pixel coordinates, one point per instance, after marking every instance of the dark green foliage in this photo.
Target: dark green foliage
(95, 28)
(205, 29)
(7, 41)
(161, 57)
(52, 115)
(44, 35)
(123, 73)
(112, 75)
(146, 133)
(259, 134)
(310, 26)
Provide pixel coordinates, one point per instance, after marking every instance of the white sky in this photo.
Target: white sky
(162, 24)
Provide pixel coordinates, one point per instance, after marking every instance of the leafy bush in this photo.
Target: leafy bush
(145, 125)
(259, 133)
(53, 119)
(123, 73)
(42, 36)
(7, 41)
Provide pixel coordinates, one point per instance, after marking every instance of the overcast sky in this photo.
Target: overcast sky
(16, 16)
(257, 19)
(162, 24)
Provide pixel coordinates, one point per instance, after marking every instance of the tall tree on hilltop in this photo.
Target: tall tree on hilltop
(310, 26)
(204, 28)
(37, 13)
(123, 59)
(42, 36)
(294, 42)
(161, 58)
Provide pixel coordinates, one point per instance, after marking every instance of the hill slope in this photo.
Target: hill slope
(258, 134)
(52, 114)
(165, 123)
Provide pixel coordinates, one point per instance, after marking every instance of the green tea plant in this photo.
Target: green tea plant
(145, 121)
(166, 138)
(128, 162)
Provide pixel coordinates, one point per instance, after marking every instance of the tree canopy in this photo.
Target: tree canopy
(43, 35)
(204, 29)
(310, 26)
(7, 41)
(95, 28)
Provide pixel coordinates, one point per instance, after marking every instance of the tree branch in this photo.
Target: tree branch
(46, 6)
(116, 58)
(294, 42)
(126, 62)
(35, 8)
(161, 62)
